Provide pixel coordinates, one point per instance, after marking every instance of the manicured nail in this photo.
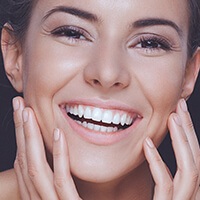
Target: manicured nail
(16, 104)
(25, 115)
(183, 105)
(149, 143)
(177, 120)
(56, 134)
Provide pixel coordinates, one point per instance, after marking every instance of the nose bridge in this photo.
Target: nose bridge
(107, 69)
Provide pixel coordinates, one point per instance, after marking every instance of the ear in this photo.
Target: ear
(191, 74)
(12, 56)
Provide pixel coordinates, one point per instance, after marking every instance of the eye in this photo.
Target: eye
(154, 43)
(71, 32)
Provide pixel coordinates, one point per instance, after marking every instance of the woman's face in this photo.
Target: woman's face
(117, 66)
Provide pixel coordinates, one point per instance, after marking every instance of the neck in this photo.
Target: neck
(137, 185)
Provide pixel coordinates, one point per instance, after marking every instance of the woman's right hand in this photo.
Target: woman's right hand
(35, 177)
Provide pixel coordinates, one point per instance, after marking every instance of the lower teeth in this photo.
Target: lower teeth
(98, 128)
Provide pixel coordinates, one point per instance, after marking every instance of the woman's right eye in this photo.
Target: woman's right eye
(70, 32)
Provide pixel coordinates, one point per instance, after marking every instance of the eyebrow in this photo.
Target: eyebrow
(157, 21)
(73, 11)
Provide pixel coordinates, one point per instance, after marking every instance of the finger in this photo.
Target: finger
(25, 193)
(26, 188)
(64, 183)
(162, 178)
(188, 127)
(22, 187)
(186, 176)
(38, 169)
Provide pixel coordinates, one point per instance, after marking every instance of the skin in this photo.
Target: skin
(115, 71)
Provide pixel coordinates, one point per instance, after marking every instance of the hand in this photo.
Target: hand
(185, 184)
(35, 177)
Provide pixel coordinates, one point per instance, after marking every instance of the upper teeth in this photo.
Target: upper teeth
(101, 115)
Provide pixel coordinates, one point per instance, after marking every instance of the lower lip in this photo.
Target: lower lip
(100, 138)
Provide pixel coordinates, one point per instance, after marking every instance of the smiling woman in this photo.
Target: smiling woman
(102, 82)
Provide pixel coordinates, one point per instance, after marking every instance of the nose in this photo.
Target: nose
(107, 70)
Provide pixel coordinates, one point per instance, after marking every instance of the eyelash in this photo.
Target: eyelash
(154, 43)
(71, 33)
(147, 42)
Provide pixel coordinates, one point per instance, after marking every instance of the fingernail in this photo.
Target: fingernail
(183, 105)
(25, 115)
(56, 134)
(149, 143)
(177, 120)
(15, 104)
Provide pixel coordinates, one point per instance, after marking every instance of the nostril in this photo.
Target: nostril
(117, 84)
(96, 82)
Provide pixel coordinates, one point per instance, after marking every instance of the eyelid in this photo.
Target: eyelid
(165, 41)
(137, 38)
(79, 30)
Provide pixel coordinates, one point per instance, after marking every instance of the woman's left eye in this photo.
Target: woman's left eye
(154, 43)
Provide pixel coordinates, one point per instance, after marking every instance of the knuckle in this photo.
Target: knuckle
(194, 176)
(57, 154)
(21, 161)
(59, 183)
(166, 187)
(32, 172)
(169, 188)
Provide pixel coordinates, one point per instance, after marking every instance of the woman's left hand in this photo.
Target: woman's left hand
(185, 184)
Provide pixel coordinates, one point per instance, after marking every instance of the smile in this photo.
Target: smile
(101, 120)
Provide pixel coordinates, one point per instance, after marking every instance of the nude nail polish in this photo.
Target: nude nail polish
(183, 105)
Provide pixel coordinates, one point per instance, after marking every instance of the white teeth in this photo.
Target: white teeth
(107, 117)
(98, 127)
(123, 119)
(97, 114)
(128, 120)
(100, 115)
(80, 111)
(116, 119)
(75, 110)
(88, 113)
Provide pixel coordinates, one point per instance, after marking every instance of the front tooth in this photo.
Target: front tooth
(107, 116)
(123, 119)
(88, 113)
(80, 111)
(97, 114)
(116, 118)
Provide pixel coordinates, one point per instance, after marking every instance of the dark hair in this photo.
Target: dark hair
(194, 27)
(20, 14)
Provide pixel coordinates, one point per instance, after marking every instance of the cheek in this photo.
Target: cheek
(162, 80)
(50, 66)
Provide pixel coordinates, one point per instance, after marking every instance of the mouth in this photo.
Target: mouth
(101, 120)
